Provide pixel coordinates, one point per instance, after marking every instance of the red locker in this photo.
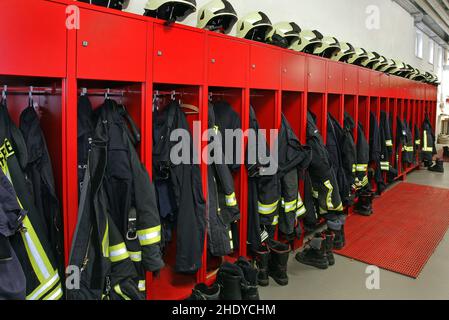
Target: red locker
(351, 80)
(364, 82)
(111, 47)
(375, 83)
(384, 85)
(316, 74)
(265, 67)
(334, 77)
(293, 71)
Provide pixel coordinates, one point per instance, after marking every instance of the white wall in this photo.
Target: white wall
(344, 19)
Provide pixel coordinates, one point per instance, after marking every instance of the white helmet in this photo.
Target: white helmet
(170, 10)
(254, 26)
(284, 34)
(217, 15)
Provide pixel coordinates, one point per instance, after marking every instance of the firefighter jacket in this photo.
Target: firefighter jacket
(227, 119)
(31, 244)
(324, 183)
(293, 160)
(417, 138)
(349, 149)
(86, 128)
(362, 159)
(12, 278)
(404, 141)
(375, 148)
(179, 189)
(264, 190)
(223, 209)
(428, 140)
(386, 141)
(40, 172)
(334, 145)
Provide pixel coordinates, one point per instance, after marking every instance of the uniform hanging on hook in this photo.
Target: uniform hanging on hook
(5, 90)
(30, 97)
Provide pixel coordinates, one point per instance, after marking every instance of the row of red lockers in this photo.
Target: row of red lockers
(138, 55)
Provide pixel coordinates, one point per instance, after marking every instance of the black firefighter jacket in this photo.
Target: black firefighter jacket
(404, 140)
(324, 183)
(349, 149)
(428, 141)
(363, 154)
(40, 172)
(375, 147)
(31, 244)
(179, 190)
(386, 141)
(223, 209)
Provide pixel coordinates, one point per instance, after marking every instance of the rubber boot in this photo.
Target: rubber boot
(339, 238)
(277, 264)
(203, 292)
(364, 206)
(329, 244)
(438, 167)
(315, 254)
(262, 258)
(230, 277)
(250, 292)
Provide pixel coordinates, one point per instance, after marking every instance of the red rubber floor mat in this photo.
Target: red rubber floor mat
(408, 223)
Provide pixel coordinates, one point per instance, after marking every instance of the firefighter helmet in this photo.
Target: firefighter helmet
(371, 59)
(308, 40)
(254, 26)
(217, 15)
(388, 67)
(284, 34)
(328, 47)
(358, 56)
(170, 10)
(346, 50)
(381, 63)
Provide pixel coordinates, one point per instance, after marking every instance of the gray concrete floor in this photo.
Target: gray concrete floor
(346, 280)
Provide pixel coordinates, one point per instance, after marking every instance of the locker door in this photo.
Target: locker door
(335, 77)
(384, 85)
(111, 47)
(364, 82)
(178, 55)
(375, 83)
(293, 71)
(317, 74)
(34, 38)
(265, 67)
(351, 83)
(228, 62)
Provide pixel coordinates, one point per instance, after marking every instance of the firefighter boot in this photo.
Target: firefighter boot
(262, 258)
(329, 244)
(231, 279)
(203, 292)
(277, 264)
(315, 254)
(438, 166)
(364, 205)
(250, 291)
(339, 238)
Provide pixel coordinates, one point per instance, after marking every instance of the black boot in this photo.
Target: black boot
(250, 291)
(262, 258)
(315, 254)
(203, 292)
(446, 152)
(339, 238)
(438, 167)
(329, 244)
(231, 279)
(364, 205)
(277, 264)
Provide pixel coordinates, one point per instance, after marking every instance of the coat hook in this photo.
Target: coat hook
(5, 90)
(83, 91)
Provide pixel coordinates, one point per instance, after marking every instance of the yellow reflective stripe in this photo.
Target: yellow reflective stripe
(426, 148)
(407, 149)
(149, 236)
(354, 168)
(268, 208)
(275, 220)
(385, 166)
(135, 256)
(43, 287)
(231, 200)
(142, 285)
(105, 241)
(365, 181)
(389, 143)
(231, 242)
(329, 194)
(289, 206)
(301, 211)
(118, 252)
(120, 293)
(56, 294)
(315, 194)
(339, 208)
(418, 142)
(362, 167)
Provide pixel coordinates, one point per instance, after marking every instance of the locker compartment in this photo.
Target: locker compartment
(236, 99)
(316, 70)
(335, 77)
(375, 83)
(364, 114)
(178, 56)
(293, 71)
(98, 47)
(295, 112)
(375, 106)
(364, 82)
(29, 41)
(393, 109)
(350, 107)
(335, 107)
(169, 284)
(265, 67)
(384, 85)
(316, 104)
(351, 80)
(228, 61)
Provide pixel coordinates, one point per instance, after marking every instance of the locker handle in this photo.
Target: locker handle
(253, 66)
(85, 43)
(159, 53)
(213, 60)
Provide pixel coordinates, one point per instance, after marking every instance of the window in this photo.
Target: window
(440, 57)
(431, 51)
(419, 44)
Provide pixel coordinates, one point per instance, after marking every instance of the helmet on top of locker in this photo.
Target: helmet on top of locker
(327, 48)
(113, 4)
(309, 39)
(346, 50)
(283, 34)
(254, 26)
(170, 10)
(390, 65)
(399, 68)
(371, 59)
(381, 63)
(217, 15)
(358, 56)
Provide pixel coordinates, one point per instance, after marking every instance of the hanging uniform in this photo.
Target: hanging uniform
(264, 191)
(405, 141)
(386, 141)
(179, 189)
(294, 159)
(223, 209)
(428, 141)
(31, 245)
(362, 181)
(376, 151)
(349, 150)
(40, 172)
